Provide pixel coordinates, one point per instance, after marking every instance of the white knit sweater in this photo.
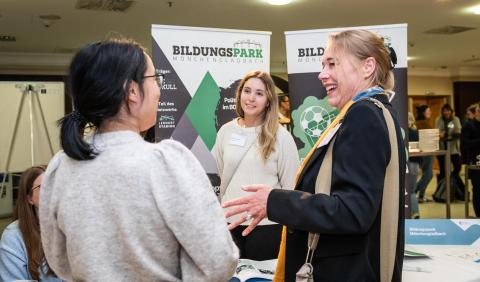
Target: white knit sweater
(278, 171)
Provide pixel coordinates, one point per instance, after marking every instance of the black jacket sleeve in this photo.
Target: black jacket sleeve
(360, 157)
(468, 140)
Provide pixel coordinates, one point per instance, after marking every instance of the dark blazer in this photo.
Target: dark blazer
(349, 219)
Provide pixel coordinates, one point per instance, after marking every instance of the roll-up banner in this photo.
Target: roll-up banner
(311, 113)
(202, 69)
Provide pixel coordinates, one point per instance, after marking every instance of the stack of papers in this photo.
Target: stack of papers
(428, 140)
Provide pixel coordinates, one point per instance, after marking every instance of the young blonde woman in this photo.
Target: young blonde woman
(254, 149)
(21, 252)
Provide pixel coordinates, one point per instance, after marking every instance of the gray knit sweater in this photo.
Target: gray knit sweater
(137, 212)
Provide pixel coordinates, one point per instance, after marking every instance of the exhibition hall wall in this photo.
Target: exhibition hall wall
(30, 146)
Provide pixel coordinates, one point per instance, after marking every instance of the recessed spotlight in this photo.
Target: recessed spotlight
(50, 17)
(48, 20)
(278, 2)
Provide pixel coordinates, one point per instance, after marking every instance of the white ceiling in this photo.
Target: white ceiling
(20, 18)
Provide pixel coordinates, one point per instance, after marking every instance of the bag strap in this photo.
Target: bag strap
(324, 178)
(390, 202)
(224, 188)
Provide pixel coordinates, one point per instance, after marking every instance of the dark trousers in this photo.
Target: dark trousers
(262, 243)
(456, 162)
(474, 175)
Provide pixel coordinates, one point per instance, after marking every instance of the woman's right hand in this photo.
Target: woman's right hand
(254, 206)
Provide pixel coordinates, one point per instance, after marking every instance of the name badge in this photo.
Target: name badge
(238, 139)
(329, 136)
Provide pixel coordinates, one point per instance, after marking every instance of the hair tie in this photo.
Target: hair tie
(393, 58)
(78, 117)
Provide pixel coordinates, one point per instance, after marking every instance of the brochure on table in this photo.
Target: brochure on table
(254, 271)
(446, 250)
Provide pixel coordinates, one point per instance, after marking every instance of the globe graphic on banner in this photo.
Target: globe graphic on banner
(314, 120)
(310, 120)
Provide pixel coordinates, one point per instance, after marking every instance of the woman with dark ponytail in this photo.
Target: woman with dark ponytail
(117, 208)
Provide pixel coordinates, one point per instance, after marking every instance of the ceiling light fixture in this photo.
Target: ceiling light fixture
(476, 10)
(48, 20)
(279, 2)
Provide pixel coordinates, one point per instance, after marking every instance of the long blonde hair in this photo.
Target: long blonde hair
(28, 223)
(411, 121)
(363, 44)
(269, 126)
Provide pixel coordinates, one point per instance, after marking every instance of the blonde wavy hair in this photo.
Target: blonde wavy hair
(363, 44)
(269, 126)
(411, 121)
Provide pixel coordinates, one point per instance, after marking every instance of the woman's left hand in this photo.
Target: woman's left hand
(254, 206)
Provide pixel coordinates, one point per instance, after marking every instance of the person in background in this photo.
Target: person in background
(470, 141)
(469, 116)
(423, 122)
(470, 113)
(284, 114)
(115, 207)
(450, 129)
(413, 165)
(357, 67)
(21, 252)
(251, 149)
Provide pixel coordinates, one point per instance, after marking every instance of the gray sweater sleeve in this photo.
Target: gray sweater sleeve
(53, 239)
(191, 210)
